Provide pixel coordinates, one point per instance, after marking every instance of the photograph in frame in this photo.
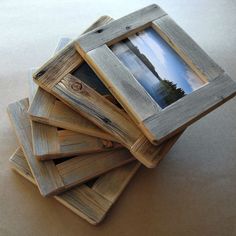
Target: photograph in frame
(157, 67)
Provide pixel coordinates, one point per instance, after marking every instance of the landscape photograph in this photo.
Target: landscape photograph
(157, 67)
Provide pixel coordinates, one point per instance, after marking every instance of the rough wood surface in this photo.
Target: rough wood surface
(107, 65)
(45, 108)
(92, 105)
(50, 142)
(47, 174)
(118, 29)
(89, 166)
(109, 117)
(192, 107)
(90, 203)
(157, 124)
(64, 62)
(187, 48)
(98, 108)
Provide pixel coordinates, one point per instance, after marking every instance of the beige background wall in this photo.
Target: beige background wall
(192, 192)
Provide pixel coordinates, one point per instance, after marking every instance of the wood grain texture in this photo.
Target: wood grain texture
(92, 105)
(108, 67)
(109, 117)
(118, 29)
(62, 63)
(157, 124)
(98, 109)
(33, 87)
(89, 166)
(50, 142)
(45, 108)
(50, 179)
(192, 107)
(90, 203)
(187, 48)
(45, 173)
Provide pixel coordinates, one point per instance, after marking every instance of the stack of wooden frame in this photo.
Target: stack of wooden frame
(82, 136)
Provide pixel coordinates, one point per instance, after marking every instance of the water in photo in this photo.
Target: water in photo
(157, 67)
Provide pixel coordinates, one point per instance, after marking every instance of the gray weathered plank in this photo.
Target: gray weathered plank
(45, 173)
(62, 63)
(187, 48)
(109, 117)
(82, 200)
(112, 71)
(157, 124)
(83, 168)
(105, 184)
(96, 108)
(49, 178)
(118, 29)
(90, 203)
(192, 107)
(51, 143)
(46, 109)
(106, 115)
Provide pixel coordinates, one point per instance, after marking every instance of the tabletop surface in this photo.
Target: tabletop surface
(192, 191)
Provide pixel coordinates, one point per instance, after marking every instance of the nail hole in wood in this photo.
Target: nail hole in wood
(99, 31)
(40, 73)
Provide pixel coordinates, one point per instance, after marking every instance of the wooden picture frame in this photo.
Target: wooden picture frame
(61, 77)
(56, 176)
(51, 142)
(90, 202)
(47, 109)
(156, 123)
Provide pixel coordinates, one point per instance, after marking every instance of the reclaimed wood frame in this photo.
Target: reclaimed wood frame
(55, 177)
(91, 203)
(49, 142)
(47, 109)
(156, 123)
(55, 76)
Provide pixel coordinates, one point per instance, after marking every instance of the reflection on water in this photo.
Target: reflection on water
(156, 66)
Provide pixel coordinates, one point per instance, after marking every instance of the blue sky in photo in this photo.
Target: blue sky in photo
(166, 61)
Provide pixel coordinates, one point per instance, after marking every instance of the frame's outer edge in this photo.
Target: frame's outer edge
(71, 198)
(85, 105)
(151, 121)
(202, 104)
(70, 119)
(141, 103)
(73, 101)
(115, 30)
(63, 62)
(55, 178)
(45, 173)
(187, 48)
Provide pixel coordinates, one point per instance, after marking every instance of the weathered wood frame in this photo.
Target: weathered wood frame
(49, 142)
(47, 109)
(156, 123)
(89, 202)
(51, 177)
(56, 77)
